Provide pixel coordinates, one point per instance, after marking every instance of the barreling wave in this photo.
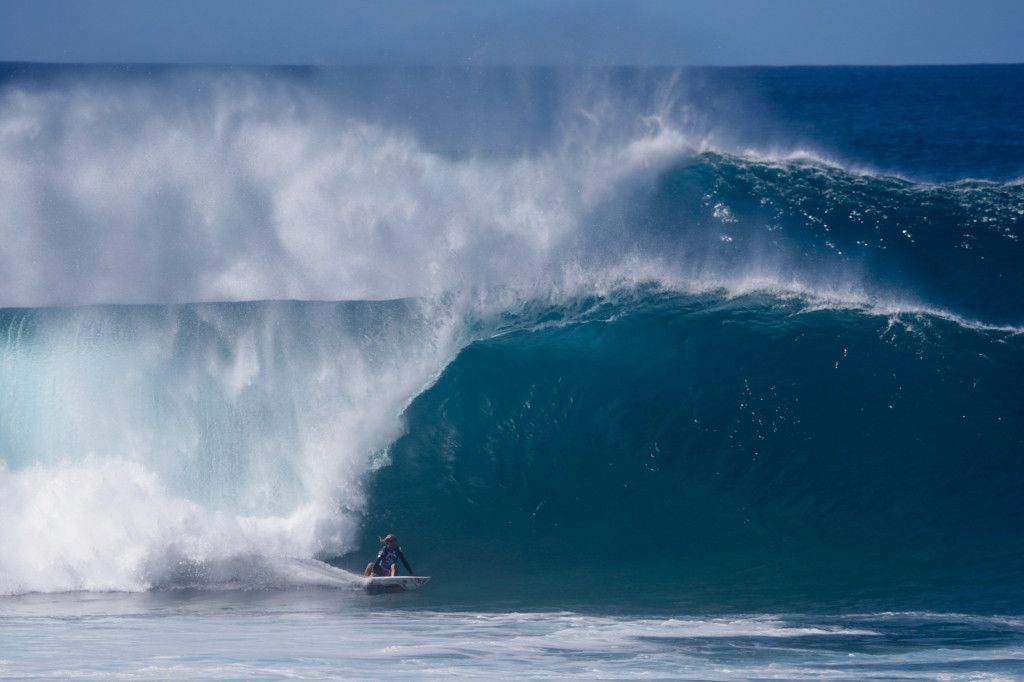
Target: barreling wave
(620, 336)
(774, 443)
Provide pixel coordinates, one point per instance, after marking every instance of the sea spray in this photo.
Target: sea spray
(140, 436)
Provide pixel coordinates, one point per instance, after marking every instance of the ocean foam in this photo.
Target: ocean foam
(155, 446)
(111, 525)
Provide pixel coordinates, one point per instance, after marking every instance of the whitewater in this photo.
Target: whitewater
(745, 357)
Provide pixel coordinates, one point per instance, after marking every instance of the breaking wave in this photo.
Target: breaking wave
(622, 330)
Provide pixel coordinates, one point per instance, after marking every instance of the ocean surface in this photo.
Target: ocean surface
(660, 374)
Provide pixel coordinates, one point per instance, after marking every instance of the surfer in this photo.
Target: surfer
(386, 563)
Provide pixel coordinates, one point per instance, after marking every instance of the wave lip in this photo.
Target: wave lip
(290, 194)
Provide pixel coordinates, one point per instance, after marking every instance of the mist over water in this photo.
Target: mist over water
(201, 186)
(184, 185)
(257, 317)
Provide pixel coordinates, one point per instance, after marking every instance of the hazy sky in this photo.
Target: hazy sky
(530, 31)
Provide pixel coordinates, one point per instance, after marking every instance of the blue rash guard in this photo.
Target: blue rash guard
(387, 557)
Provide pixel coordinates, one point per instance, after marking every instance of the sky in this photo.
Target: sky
(481, 32)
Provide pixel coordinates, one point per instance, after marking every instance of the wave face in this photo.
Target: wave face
(644, 322)
(700, 443)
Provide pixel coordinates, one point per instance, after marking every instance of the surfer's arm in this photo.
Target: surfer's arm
(405, 563)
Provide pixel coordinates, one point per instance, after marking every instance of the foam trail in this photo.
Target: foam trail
(110, 525)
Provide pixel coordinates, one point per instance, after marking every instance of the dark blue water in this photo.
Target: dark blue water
(938, 123)
(740, 451)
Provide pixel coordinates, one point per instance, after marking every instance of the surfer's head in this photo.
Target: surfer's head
(390, 539)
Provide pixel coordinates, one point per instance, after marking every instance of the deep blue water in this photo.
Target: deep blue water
(743, 451)
(720, 366)
(939, 123)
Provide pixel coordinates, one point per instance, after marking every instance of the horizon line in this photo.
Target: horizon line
(495, 65)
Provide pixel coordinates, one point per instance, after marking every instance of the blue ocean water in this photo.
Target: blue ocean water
(671, 374)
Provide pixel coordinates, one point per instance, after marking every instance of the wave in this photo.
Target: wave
(716, 439)
(614, 325)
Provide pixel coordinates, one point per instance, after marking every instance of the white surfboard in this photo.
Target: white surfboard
(395, 583)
